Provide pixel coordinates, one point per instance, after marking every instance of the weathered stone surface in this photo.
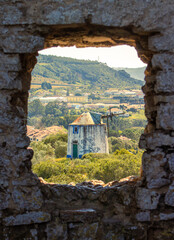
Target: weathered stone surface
(79, 215)
(124, 207)
(10, 62)
(9, 80)
(169, 197)
(147, 199)
(156, 140)
(162, 42)
(27, 218)
(4, 199)
(83, 231)
(165, 82)
(154, 169)
(27, 198)
(22, 44)
(166, 216)
(165, 116)
(56, 230)
(143, 216)
(163, 61)
(158, 99)
(170, 159)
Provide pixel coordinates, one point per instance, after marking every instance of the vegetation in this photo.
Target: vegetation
(46, 85)
(57, 113)
(93, 166)
(137, 73)
(60, 76)
(50, 163)
(54, 146)
(93, 74)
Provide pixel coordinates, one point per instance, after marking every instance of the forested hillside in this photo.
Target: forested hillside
(137, 73)
(90, 73)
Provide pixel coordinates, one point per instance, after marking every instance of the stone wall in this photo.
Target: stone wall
(133, 209)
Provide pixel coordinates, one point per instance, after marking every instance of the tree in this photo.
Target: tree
(52, 107)
(133, 133)
(67, 93)
(60, 149)
(78, 94)
(35, 108)
(93, 97)
(42, 152)
(46, 85)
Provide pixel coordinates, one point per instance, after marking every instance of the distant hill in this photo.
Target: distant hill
(137, 73)
(93, 74)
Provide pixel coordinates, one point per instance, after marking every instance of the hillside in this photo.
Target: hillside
(61, 70)
(137, 73)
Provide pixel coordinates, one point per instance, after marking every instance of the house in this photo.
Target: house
(39, 134)
(87, 134)
(77, 99)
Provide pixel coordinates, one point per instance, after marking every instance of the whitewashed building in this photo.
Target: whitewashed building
(87, 134)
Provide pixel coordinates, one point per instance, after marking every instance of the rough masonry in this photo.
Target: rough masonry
(134, 209)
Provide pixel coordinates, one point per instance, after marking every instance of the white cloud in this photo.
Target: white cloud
(120, 56)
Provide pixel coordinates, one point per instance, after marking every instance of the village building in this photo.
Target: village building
(87, 134)
(77, 99)
(38, 134)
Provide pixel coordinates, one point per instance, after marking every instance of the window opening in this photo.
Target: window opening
(67, 142)
(75, 129)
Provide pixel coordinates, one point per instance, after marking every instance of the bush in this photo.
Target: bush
(60, 149)
(103, 167)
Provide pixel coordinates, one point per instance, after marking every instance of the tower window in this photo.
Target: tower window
(75, 130)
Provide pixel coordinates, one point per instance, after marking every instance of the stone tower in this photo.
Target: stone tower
(87, 134)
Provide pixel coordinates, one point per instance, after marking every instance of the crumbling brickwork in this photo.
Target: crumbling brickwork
(141, 209)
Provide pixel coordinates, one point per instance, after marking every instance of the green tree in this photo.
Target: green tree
(46, 85)
(60, 149)
(133, 133)
(35, 108)
(42, 152)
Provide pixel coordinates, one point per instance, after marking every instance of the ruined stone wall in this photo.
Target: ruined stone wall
(134, 209)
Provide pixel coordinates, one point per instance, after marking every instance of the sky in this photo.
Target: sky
(119, 56)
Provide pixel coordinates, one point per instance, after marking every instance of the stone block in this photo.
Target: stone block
(147, 199)
(165, 81)
(13, 14)
(166, 216)
(4, 199)
(154, 169)
(28, 198)
(27, 218)
(170, 159)
(169, 197)
(163, 61)
(56, 230)
(165, 116)
(23, 142)
(161, 42)
(80, 215)
(143, 216)
(8, 80)
(22, 43)
(85, 231)
(156, 139)
(10, 62)
(158, 99)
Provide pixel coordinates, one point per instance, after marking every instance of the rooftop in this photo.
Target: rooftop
(89, 118)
